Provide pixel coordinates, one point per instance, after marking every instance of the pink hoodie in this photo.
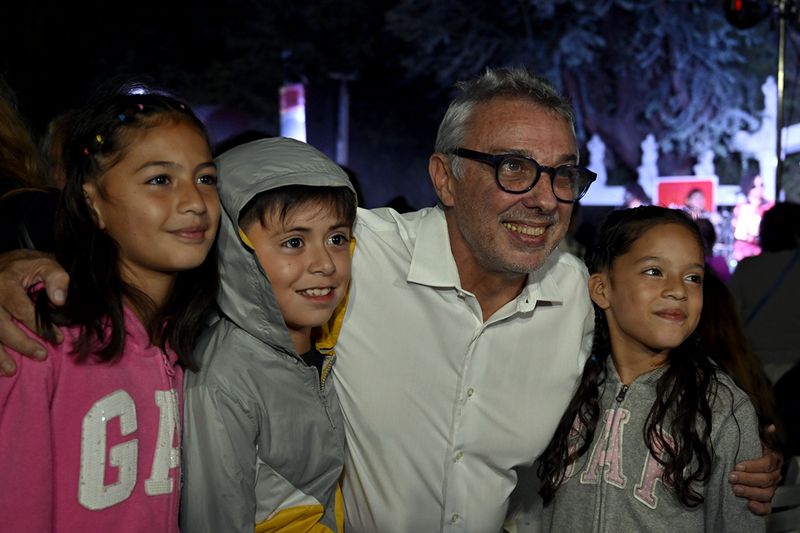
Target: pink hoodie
(92, 447)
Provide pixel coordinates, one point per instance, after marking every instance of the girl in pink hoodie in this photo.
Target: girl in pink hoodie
(90, 439)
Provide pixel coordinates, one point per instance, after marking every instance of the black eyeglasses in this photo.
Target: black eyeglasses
(518, 174)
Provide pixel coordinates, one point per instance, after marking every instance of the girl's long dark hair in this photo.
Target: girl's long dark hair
(99, 138)
(678, 428)
(725, 340)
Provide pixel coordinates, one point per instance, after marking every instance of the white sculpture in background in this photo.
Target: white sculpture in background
(761, 144)
(648, 170)
(597, 159)
(705, 165)
(600, 193)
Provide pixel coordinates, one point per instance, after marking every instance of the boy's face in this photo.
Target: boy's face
(307, 259)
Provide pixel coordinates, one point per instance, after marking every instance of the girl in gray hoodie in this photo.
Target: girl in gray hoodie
(652, 432)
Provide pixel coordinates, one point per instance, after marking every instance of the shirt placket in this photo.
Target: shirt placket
(457, 480)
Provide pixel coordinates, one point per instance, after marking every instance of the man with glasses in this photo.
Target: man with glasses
(467, 329)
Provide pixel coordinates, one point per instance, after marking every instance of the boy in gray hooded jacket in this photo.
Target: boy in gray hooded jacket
(263, 430)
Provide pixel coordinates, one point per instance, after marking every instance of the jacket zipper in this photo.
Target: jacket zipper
(326, 370)
(601, 517)
(622, 392)
(170, 371)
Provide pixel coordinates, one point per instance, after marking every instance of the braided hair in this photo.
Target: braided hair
(677, 430)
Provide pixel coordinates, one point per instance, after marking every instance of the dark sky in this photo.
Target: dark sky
(234, 55)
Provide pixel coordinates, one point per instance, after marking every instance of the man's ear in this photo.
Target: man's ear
(442, 177)
(598, 289)
(91, 194)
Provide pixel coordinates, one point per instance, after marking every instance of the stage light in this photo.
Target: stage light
(745, 14)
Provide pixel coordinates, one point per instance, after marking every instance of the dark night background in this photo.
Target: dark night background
(235, 55)
(670, 69)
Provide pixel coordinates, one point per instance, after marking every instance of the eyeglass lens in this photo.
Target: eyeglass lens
(517, 174)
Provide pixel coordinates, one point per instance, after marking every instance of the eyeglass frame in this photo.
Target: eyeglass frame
(495, 160)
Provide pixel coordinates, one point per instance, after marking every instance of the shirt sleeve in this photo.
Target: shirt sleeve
(588, 337)
(26, 455)
(735, 439)
(219, 466)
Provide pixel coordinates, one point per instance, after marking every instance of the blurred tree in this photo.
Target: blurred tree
(674, 68)
(671, 67)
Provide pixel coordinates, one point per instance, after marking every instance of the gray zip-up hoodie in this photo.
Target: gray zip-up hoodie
(263, 442)
(616, 486)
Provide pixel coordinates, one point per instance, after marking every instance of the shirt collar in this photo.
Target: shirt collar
(541, 287)
(432, 260)
(432, 264)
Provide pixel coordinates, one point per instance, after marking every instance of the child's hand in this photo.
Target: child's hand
(757, 479)
(19, 271)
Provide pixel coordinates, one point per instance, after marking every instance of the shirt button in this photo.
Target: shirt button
(455, 518)
(470, 392)
(459, 456)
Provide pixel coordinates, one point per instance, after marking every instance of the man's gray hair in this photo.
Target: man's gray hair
(515, 83)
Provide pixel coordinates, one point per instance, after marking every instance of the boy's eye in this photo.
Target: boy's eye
(695, 278)
(208, 179)
(294, 242)
(163, 179)
(652, 271)
(338, 239)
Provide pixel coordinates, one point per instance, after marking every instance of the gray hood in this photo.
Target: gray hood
(246, 296)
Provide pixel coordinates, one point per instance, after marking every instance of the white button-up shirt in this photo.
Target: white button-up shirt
(442, 408)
